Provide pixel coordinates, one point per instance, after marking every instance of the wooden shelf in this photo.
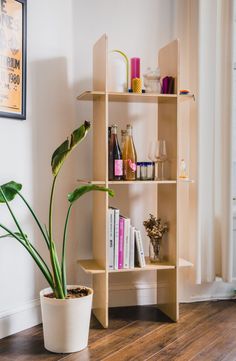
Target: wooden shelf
(143, 182)
(167, 197)
(184, 97)
(149, 267)
(141, 98)
(102, 182)
(91, 266)
(134, 97)
(91, 95)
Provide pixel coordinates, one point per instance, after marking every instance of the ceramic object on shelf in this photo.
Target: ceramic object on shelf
(152, 81)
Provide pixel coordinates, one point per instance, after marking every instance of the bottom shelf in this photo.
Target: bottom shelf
(91, 266)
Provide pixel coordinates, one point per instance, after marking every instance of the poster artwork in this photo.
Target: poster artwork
(11, 56)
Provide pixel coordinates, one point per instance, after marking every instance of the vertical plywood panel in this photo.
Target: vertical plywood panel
(100, 64)
(100, 302)
(100, 139)
(167, 210)
(167, 129)
(100, 171)
(167, 281)
(167, 293)
(168, 60)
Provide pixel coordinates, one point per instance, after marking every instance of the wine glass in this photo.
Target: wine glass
(152, 155)
(161, 157)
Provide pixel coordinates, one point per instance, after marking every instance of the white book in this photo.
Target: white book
(110, 246)
(139, 248)
(116, 236)
(126, 241)
(132, 247)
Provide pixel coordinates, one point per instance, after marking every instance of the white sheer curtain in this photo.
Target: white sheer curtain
(214, 245)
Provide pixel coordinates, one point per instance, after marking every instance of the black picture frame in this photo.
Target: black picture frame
(10, 77)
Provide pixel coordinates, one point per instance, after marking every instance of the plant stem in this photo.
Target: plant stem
(36, 219)
(63, 257)
(35, 255)
(53, 254)
(13, 216)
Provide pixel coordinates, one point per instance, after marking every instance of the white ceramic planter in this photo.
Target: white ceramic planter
(66, 322)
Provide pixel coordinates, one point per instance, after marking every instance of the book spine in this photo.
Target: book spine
(121, 244)
(126, 242)
(111, 238)
(116, 237)
(132, 248)
(140, 251)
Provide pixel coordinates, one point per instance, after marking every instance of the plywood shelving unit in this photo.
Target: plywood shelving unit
(168, 190)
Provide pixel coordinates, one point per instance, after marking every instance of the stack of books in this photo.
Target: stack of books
(125, 246)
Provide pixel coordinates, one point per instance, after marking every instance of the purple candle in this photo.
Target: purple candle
(134, 69)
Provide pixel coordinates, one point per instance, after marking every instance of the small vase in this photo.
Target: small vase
(155, 250)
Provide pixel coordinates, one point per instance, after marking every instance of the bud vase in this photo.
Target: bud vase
(155, 250)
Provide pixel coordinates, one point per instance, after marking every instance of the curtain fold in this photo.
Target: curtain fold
(214, 248)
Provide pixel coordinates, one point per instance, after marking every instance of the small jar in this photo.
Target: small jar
(150, 170)
(139, 164)
(143, 171)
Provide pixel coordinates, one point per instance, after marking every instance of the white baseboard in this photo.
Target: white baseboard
(20, 318)
(132, 294)
(146, 294)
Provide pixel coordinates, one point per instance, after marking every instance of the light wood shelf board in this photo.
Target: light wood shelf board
(91, 95)
(143, 182)
(141, 98)
(184, 97)
(90, 266)
(182, 180)
(134, 97)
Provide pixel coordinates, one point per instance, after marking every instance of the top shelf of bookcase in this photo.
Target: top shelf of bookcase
(134, 97)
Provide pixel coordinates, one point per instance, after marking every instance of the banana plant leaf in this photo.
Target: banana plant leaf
(67, 146)
(79, 192)
(10, 190)
(17, 234)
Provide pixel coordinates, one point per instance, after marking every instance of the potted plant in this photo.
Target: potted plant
(66, 310)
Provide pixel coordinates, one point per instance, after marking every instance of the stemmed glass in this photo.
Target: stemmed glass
(161, 156)
(157, 153)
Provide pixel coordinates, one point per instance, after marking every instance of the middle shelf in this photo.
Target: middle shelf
(92, 267)
(102, 182)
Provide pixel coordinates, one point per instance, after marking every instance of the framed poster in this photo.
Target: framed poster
(13, 59)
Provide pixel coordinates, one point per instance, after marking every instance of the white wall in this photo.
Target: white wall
(26, 148)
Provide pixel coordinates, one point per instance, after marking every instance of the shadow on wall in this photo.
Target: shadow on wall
(52, 121)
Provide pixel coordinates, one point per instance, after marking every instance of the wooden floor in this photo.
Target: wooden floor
(206, 331)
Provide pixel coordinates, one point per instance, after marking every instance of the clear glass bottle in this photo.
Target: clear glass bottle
(115, 156)
(129, 156)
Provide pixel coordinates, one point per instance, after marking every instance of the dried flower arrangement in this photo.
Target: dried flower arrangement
(155, 229)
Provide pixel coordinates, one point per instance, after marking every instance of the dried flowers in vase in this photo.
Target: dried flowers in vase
(155, 231)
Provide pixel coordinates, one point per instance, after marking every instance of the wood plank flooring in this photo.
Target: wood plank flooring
(206, 332)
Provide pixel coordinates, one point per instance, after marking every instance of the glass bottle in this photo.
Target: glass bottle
(129, 156)
(110, 155)
(115, 156)
(123, 138)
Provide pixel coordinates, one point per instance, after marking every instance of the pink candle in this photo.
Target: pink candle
(134, 69)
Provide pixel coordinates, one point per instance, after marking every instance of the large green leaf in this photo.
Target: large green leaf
(10, 190)
(79, 192)
(66, 147)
